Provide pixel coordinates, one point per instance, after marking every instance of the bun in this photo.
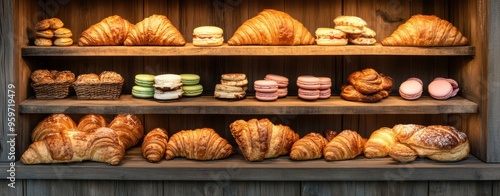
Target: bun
(63, 32)
(55, 23)
(63, 41)
(198, 144)
(110, 31)
(330, 37)
(42, 76)
(350, 24)
(156, 30)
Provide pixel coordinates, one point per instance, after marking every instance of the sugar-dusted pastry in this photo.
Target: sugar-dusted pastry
(156, 30)
(198, 144)
(110, 31)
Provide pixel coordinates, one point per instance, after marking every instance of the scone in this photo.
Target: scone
(63, 41)
(55, 23)
(365, 38)
(42, 25)
(63, 32)
(45, 34)
(43, 42)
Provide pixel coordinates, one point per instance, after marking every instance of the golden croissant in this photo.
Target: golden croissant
(72, 145)
(308, 147)
(154, 146)
(110, 31)
(129, 129)
(198, 144)
(54, 124)
(346, 145)
(261, 139)
(91, 122)
(379, 143)
(156, 30)
(271, 27)
(426, 30)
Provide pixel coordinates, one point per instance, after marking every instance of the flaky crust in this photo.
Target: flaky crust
(348, 144)
(402, 153)
(369, 81)
(379, 143)
(348, 92)
(110, 31)
(52, 125)
(128, 128)
(426, 30)
(91, 122)
(155, 30)
(154, 145)
(199, 144)
(308, 147)
(271, 27)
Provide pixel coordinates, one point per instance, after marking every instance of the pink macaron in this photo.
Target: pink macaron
(308, 82)
(325, 83)
(325, 93)
(266, 96)
(411, 89)
(265, 86)
(440, 89)
(308, 94)
(281, 80)
(282, 92)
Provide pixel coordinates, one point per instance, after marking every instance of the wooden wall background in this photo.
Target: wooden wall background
(382, 16)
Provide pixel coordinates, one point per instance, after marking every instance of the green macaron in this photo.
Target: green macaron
(143, 92)
(146, 80)
(191, 91)
(190, 79)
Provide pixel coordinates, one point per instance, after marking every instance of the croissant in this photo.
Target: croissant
(110, 31)
(437, 142)
(309, 147)
(348, 92)
(261, 139)
(368, 81)
(198, 144)
(72, 145)
(379, 143)
(402, 153)
(154, 146)
(348, 144)
(426, 30)
(271, 27)
(54, 124)
(156, 30)
(129, 129)
(90, 122)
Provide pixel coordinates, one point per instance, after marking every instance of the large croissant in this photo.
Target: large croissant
(379, 143)
(54, 124)
(437, 142)
(348, 144)
(261, 139)
(155, 30)
(129, 129)
(91, 122)
(198, 144)
(426, 30)
(271, 27)
(72, 145)
(308, 147)
(110, 31)
(154, 146)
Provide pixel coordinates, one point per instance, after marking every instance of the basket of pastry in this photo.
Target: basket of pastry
(107, 85)
(51, 84)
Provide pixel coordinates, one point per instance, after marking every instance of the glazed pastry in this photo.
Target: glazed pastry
(198, 144)
(369, 81)
(110, 31)
(261, 139)
(110, 76)
(156, 30)
(426, 30)
(52, 125)
(154, 146)
(72, 145)
(348, 92)
(402, 153)
(129, 129)
(379, 143)
(91, 122)
(309, 147)
(272, 27)
(346, 145)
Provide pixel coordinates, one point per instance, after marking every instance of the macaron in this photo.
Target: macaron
(143, 92)
(281, 80)
(266, 86)
(146, 80)
(282, 92)
(307, 94)
(308, 82)
(208, 36)
(167, 82)
(325, 93)
(192, 91)
(325, 83)
(266, 96)
(411, 89)
(190, 79)
(440, 89)
(168, 95)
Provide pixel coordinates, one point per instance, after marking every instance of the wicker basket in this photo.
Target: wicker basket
(54, 90)
(102, 90)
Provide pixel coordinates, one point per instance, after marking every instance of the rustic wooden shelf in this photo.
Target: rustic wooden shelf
(135, 167)
(225, 50)
(250, 105)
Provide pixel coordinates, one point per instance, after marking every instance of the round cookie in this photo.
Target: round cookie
(192, 90)
(265, 86)
(281, 80)
(63, 41)
(190, 79)
(411, 89)
(308, 82)
(266, 96)
(440, 89)
(307, 94)
(146, 80)
(143, 92)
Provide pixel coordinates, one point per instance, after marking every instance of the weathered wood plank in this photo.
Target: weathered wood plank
(364, 188)
(441, 188)
(60, 187)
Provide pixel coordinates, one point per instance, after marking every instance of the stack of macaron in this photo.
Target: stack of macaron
(143, 86)
(282, 83)
(168, 87)
(190, 85)
(312, 88)
(411, 89)
(443, 88)
(266, 90)
(356, 30)
(233, 86)
(208, 36)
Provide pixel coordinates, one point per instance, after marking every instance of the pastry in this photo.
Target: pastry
(369, 81)
(190, 79)
(110, 76)
(271, 27)
(87, 78)
(308, 82)
(192, 91)
(91, 122)
(63, 41)
(143, 92)
(307, 94)
(128, 128)
(379, 143)
(365, 38)
(442, 88)
(348, 92)
(110, 31)
(156, 30)
(199, 144)
(330, 134)
(330, 37)
(229, 92)
(45, 34)
(348, 144)
(308, 147)
(350, 24)
(402, 153)
(42, 25)
(55, 23)
(234, 79)
(411, 89)
(426, 30)
(62, 32)
(208, 36)
(41, 76)
(52, 125)
(154, 146)
(43, 42)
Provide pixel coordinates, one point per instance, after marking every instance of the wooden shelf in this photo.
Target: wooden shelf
(134, 167)
(250, 105)
(225, 50)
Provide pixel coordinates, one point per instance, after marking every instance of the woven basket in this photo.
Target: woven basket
(102, 90)
(54, 90)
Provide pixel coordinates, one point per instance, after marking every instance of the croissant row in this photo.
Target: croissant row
(308, 147)
(348, 144)
(110, 31)
(154, 146)
(198, 144)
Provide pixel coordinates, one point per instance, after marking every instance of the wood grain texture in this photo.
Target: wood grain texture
(439, 188)
(364, 188)
(493, 146)
(58, 187)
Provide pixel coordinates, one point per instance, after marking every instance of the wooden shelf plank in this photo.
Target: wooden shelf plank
(225, 50)
(250, 105)
(134, 167)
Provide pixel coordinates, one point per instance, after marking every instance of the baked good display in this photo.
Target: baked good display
(266, 90)
(411, 89)
(426, 30)
(261, 139)
(271, 27)
(348, 144)
(443, 88)
(155, 30)
(379, 143)
(51, 84)
(233, 86)
(154, 145)
(308, 147)
(366, 86)
(190, 85)
(367, 37)
(168, 87)
(106, 85)
(208, 36)
(330, 37)
(199, 144)
(110, 31)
